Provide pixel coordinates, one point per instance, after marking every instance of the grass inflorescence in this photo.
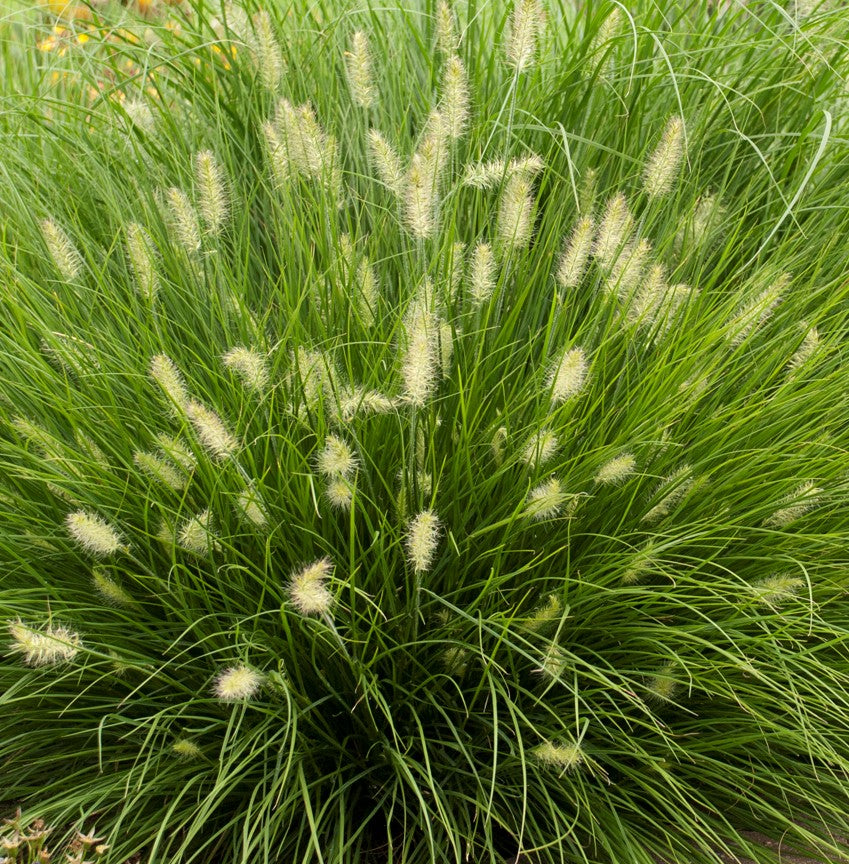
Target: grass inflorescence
(423, 430)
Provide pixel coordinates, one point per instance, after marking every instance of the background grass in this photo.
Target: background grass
(690, 665)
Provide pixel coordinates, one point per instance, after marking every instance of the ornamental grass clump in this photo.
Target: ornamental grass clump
(423, 439)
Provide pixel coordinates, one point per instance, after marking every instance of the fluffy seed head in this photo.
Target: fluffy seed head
(568, 377)
(545, 614)
(422, 540)
(663, 687)
(65, 256)
(516, 213)
(311, 151)
(616, 470)
(643, 308)
(160, 470)
(358, 64)
(754, 314)
(541, 448)
(419, 368)
(546, 500)
(482, 276)
(522, 44)
(576, 253)
(420, 200)
(386, 163)
(488, 175)
(94, 534)
(211, 431)
(211, 192)
(800, 501)
(587, 192)
(307, 589)
(614, 232)
(446, 347)
(177, 452)
(196, 534)
(139, 114)
(336, 458)
(184, 220)
(237, 684)
(277, 154)
(265, 49)
(626, 274)
(249, 365)
(355, 401)
(142, 261)
(184, 748)
(250, 506)
(109, 589)
(663, 165)
(566, 756)
(446, 38)
(455, 97)
(810, 345)
(168, 377)
(339, 493)
(679, 484)
(50, 646)
(777, 589)
(643, 562)
(433, 149)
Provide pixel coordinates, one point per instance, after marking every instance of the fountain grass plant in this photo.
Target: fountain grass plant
(423, 430)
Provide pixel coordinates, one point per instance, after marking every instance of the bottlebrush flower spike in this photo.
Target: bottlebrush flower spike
(50, 646)
(267, 56)
(93, 533)
(777, 589)
(184, 220)
(237, 684)
(754, 314)
(336, 458)
(575, 255)
(308, 590)
(614, 232)
(422, 540)
(446, 38)
(142, 261)
(663, 165)
(196, 534)
(566, 757)
(168, 377)
(799, 502)
(211, 431)
(617, 470)
(211, 192)
(249, 365)
(455, 97)
(65, 256)
(160, 470)
(541, 448)
(251, 507)
(524, 30)
(516, 213)
(568, 376)
(546, 500)
(809, 347)
(482, 276)
(386, 163)
(358, 64)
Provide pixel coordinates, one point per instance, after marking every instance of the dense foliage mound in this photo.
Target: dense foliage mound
(423, 431)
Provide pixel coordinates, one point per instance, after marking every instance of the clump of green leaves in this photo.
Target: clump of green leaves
(423, 437)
